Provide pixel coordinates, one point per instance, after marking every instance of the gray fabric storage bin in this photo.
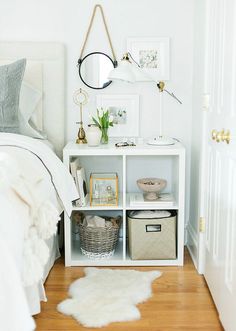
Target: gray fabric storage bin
(152, 238)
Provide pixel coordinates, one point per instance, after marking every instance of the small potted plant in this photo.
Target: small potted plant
(103, 121)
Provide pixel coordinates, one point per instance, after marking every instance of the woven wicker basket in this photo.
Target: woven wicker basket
(99, 243)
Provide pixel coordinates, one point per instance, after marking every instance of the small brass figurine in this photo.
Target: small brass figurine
(80, 99)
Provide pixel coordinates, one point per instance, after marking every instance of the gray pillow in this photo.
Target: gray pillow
(11, 76)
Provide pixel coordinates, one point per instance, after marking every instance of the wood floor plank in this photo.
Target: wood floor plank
(180, 301)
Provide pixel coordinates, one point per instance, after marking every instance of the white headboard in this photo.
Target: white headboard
(45, 71)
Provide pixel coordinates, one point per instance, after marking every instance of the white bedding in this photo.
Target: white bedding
(36, 293)
(62, 181)
(34, 184)
(14, 308)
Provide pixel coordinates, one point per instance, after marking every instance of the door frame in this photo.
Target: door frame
(200, 256)
(202, 198)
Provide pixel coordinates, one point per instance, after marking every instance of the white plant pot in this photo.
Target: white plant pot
(93, 135)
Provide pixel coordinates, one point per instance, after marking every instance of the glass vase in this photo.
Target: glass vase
(104, 138)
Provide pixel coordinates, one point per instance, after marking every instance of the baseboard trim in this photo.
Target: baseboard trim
(192, 244)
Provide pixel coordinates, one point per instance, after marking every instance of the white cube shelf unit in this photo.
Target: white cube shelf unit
(130, 163)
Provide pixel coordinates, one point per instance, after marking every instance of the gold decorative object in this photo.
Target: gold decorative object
(103, 189)
(81, 99)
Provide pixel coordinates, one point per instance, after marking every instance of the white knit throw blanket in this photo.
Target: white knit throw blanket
(41, 222)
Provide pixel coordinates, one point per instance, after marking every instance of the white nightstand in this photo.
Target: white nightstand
(130, 163)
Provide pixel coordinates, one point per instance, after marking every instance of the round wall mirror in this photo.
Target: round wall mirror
(94, 69)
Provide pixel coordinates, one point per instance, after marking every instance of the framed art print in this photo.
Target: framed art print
(103, 189)
(125, 111)
(152, 54)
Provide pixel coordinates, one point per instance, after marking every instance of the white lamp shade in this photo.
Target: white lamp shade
(141, 75)
(123, 72)
(129, 72)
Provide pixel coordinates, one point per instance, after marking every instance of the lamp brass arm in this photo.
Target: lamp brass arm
(161, 86)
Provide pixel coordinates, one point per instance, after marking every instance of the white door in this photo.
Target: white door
(220, 159)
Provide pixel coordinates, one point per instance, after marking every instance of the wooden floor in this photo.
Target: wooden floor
(180, 301)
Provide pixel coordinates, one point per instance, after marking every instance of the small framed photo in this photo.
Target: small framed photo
(152, 54)
(125, 111)
(103, 189)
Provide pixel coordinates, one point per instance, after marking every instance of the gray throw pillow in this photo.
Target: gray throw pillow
(11, 76)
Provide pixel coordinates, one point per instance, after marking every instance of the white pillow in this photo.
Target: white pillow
(49, 144)
(29, 99)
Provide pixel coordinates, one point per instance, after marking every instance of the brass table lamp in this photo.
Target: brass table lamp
(81, 99)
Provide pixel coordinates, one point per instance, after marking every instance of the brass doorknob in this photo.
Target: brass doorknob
(221, 136)
(226, 136)
(213, 134)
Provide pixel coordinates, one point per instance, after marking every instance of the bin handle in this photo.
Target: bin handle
(153, 228)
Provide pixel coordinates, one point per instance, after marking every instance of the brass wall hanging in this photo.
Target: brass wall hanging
(80, 98)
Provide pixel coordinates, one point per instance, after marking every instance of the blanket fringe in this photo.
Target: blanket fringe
(46, 220)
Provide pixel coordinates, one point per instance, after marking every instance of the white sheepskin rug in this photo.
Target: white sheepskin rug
(108, 295)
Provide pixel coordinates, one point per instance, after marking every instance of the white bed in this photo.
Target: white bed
(29, 165)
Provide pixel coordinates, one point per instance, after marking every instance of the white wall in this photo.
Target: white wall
(67, 21)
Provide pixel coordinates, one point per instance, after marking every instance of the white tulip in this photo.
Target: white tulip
(100, 112)
(111, 118)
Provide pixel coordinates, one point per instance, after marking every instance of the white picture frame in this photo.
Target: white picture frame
(125, 110)
(152, 54)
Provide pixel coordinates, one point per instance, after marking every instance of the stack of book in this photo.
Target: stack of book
(78, 173)
(165, 200)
